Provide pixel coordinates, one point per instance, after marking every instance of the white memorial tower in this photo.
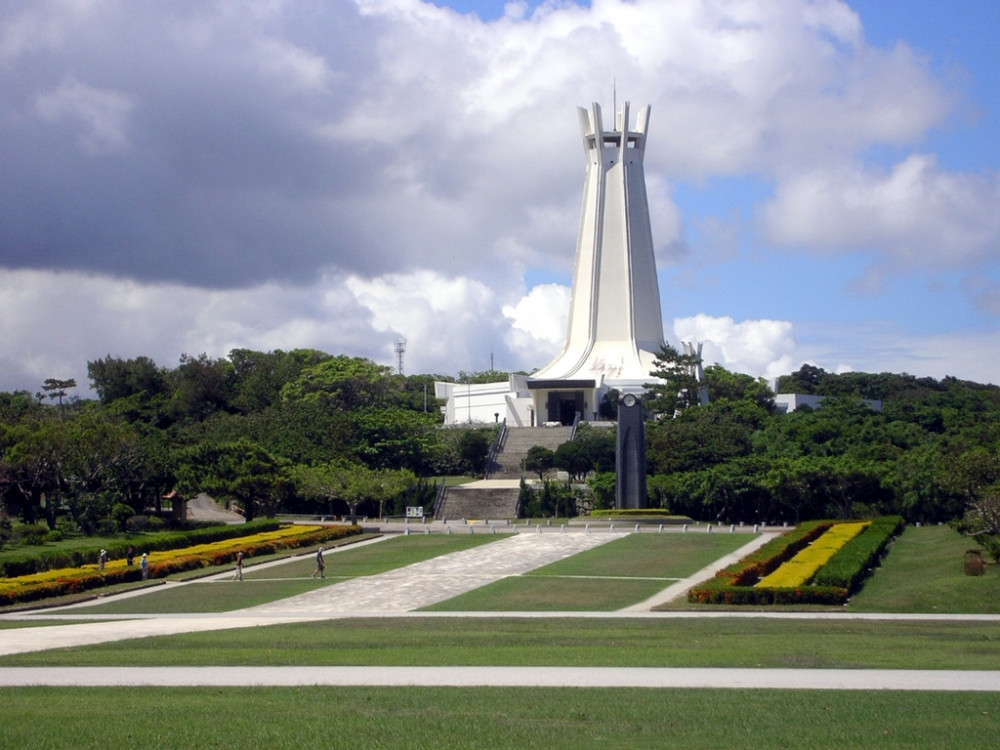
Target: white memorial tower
(615, 326)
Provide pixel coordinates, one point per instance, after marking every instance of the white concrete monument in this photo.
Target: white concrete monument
(615, 324)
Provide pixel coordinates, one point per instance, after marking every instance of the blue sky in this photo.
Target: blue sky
(188, 177)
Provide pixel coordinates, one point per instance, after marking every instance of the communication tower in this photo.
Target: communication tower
(400, 349)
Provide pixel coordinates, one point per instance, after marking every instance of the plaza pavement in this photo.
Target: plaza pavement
(399, 592)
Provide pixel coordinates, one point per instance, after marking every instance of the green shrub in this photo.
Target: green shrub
(33, 534)
(53, 536)
(137, 524)
(120, 514)
(855, 561)
(660, 514)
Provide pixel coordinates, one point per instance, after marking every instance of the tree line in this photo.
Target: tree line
(304, 431)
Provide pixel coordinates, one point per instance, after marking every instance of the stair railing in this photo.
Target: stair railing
(440, 500)
(496, 449)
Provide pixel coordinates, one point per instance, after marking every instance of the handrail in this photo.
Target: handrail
(576, 423)
(495, 449)
(440, 500)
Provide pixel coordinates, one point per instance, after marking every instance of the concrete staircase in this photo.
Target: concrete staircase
(520, 440)
(496, 498)
(481, 501)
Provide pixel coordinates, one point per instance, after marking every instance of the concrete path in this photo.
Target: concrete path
(556, 677)
(440, 578)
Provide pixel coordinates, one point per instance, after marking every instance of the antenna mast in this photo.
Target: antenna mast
(400, 348)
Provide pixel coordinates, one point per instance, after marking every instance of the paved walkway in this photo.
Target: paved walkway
(557, 677)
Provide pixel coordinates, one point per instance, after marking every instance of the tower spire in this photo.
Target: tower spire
(615, 326)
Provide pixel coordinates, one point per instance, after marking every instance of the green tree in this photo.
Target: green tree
(113, 378)
(539, 460)
(677, 386)
(32, 453)
(241, 471)
(199, 387)
(474, 448)
(56, 389)
(341, 382)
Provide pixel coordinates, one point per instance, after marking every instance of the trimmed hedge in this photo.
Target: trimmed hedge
(31, 562)
(659, 514)
(736, 584)
(855, 562)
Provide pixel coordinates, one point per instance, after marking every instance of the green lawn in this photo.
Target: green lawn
(613, 576)
(492, 718)
(924, 572)
(505, 641)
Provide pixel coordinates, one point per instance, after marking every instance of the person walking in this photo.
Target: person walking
(320, 564)
(102, 559)
(238, 575)
(144, 566)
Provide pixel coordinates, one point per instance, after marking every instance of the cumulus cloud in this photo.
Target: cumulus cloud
(762, 348)
(338, 175)
(916, 214)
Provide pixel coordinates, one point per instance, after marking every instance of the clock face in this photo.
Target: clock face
(629, 400)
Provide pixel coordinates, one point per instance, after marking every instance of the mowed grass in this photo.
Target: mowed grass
(563, 641)
(610, 577)
(486, 718)
(924, 572)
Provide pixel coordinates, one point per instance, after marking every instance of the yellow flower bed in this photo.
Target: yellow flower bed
(800, 569)
(67, 580)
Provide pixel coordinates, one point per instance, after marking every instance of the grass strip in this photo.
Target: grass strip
(609, 577)
(484, 718)
(511, 641)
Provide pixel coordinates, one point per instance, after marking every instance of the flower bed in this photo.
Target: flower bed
(855, 561)
(758, 564)
(163, 563)
(33, 561)
(800, 569)
(832, 584)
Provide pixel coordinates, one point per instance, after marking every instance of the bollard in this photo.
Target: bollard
(637, 528)
(661, 529)
(472, 529)
(493, 529)
(539, 528)
(709, 529)
(515, 530)
(685, 528)
(732, 528)
(562, 528)
(406, 531)
(588, 528)
(427, 529)
(449, 529)
(612, 528)
(756, 528)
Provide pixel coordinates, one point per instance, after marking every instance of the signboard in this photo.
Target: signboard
(414, 511)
